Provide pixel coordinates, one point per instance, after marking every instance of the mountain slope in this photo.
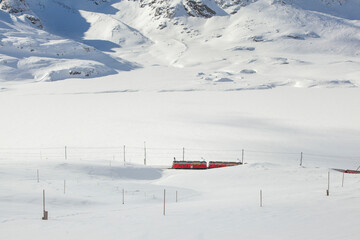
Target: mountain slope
(29, 53)
(233, 44)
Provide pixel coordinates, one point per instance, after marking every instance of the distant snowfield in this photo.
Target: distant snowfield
(169, 112)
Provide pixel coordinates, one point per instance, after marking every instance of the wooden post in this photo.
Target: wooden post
(164, 202)
(260, 198)
(301, 158)
(123, 196)
(342, 184)
(38, 177)
(328, 190)
(45, 216)
(44, 200)
(124, 155)
(144, 153)
(242, 156)
(65, 153)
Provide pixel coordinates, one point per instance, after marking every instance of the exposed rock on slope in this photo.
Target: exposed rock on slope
(193, 8)
(20, 8)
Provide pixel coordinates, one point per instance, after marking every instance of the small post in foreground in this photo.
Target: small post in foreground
(260, 198)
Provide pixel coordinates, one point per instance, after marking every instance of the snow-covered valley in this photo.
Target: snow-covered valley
(90, 88)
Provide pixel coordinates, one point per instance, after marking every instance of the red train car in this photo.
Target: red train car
(352, 171)
(189, 165)
(214, 164)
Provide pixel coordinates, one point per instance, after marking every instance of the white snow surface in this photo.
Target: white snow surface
(90, 88)
(211, 204)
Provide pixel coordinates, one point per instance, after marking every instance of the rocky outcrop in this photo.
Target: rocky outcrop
(14, 6)
(22, 10)
(169, 9)
(198, 9)
(99, 2)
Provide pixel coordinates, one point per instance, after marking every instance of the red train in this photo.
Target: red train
(202, 164)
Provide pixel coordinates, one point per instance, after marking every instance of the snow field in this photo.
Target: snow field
(174, 83)
(211, 203)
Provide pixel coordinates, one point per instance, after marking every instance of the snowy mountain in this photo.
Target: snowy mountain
(248, 40)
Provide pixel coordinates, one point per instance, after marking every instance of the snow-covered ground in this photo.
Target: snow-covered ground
(85, 85)
(211, 204)
(95, 118)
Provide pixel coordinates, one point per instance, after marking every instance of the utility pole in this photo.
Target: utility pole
(183, 154)
(242, 156)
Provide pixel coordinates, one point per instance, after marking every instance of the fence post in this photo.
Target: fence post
(328, 190)
(123, 196)
(124, 155)
(164, 202)
(65, 153)
(301, 158)
(260, 198)
(45, 217)
(145, 153)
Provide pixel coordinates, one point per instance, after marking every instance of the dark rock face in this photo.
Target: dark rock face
(165, 8)
(20, 8)
(198, 9)
(13, 7)
(99, 2)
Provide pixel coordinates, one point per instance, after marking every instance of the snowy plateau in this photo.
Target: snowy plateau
(97, 97)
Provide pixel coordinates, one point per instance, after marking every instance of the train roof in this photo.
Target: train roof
(219, 162)
(189, 162)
